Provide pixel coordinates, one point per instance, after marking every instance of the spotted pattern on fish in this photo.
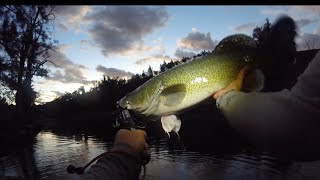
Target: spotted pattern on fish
(175, 90)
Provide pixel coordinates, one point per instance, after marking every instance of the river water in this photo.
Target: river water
(52, 152)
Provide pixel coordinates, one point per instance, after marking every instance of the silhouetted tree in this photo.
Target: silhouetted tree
(262, 34)
(150, 71)
(137, 76)
(277, 48)
(185, 59)
(24, 44)
(170, 65)
(163, 66)
(143, 74)
(3, 104)
(79, 91)
(204, 53)
(282, 36)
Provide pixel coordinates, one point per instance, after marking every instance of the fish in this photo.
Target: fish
(188, 84)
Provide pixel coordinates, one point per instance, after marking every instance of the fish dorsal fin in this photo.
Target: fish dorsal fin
(254, 81)
(173, 95)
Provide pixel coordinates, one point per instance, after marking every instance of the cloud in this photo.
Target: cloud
(62, 27)
(113, 72)
(58, 93)
(181, 53)
(83, 42)
(306, 10)
(197, 41)
(121, 29)
(63, 47)
(308, 41)
(274, 11)
(86, 44)
(158, 46)
(68, 71)
(317, 31)
(244, 28)
(71, 17)
(61, 60)
(68, 76)
(304, 14)
(305, 22)
(153, 59)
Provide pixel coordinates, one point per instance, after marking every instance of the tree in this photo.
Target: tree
(276, 48)
(170, 65)
(150, 71)
(24, 49)
(143, 74)
(185, 59)
(277, 39)
(204, 53)
(3, 103)
(262, 34)
(163, 66)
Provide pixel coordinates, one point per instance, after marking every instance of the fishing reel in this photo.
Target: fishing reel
(123, 121)
(126, 121)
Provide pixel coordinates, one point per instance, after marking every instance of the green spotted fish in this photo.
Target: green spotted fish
(188, 84)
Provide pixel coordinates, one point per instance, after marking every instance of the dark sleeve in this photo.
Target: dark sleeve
(113, 166)
(277, 121)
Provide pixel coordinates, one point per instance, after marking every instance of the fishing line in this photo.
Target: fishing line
(80, 170)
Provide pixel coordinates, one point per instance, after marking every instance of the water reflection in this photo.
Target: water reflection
(52, 152)
(21, 163)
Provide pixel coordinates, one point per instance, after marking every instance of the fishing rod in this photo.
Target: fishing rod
(123, 121)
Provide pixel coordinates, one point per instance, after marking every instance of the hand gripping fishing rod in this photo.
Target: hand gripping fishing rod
(122, 121)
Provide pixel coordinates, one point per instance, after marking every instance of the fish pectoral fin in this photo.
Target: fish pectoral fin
(254, 81)
(177, 126)
(173, 95)
(171, 123)
(168, 134)
(168, 123)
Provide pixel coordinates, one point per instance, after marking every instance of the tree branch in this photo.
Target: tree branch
(42, 63)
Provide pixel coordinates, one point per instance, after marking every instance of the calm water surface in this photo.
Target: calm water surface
(51, 153)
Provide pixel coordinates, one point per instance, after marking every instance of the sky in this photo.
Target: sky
(120, 41)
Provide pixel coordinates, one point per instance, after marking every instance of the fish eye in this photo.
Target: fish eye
(128, 102)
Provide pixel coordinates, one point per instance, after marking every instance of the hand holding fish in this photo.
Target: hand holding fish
(234, 85)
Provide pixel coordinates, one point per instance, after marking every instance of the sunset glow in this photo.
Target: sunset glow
(120, 41)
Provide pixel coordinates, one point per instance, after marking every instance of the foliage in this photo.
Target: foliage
(277, 40)
(24, 48)
(262, 34)
(276, 49)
